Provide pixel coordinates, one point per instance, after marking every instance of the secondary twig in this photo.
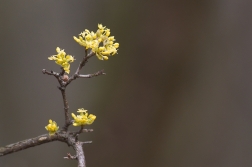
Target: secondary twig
(69, 156)
(101, 72)
(82, 63)
(50, 73)
(66, 107)
(55, 74)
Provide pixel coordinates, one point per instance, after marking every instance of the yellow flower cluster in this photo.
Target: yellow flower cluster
(83, 118)
(52, 127)
(62, 59)
(100, 42)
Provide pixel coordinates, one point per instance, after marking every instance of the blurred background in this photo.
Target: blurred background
(177, 94)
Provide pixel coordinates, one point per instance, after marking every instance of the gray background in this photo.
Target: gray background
(177, 94)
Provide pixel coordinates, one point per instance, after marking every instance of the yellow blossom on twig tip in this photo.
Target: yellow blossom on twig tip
(62, 59)
(83, 118)
(100, 42)
(52, 127)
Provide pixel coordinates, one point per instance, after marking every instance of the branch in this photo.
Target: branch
(69, 156)
(66, 107)
(84, 60)
(82, 63)
(81, 131)
(87, 130)
(92, 75)
(68, 138)
(21, 145)
(55, 74)
(80, 154)
(44, 71)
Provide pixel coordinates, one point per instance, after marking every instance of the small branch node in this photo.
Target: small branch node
(64, 78)
(69, 156)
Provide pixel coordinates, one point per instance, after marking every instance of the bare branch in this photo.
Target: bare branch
(87, 130)
(81, 131)
(44, 71)
(80, 154)
(86, 142)
(68, 138)
(66, 107)
(76, 134)
(55, 74)
(21, 145)
(82, 63)
(92, 75)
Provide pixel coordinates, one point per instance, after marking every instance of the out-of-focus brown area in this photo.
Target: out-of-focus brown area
(177, 94)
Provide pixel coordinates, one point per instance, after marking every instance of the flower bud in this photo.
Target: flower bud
(65, 77)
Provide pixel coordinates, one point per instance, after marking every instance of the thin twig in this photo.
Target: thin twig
(101, 72)
(55, 74)
(66, 107)
(81, 131)
(87, 130)
(69, 156)
(77, 133)
(44, 71)
(86, 142)
(82, 63)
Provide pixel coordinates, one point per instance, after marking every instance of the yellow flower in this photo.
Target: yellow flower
(52, 127)
(83, 118)
(62, 59)
(101, 27)
(100, 42)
